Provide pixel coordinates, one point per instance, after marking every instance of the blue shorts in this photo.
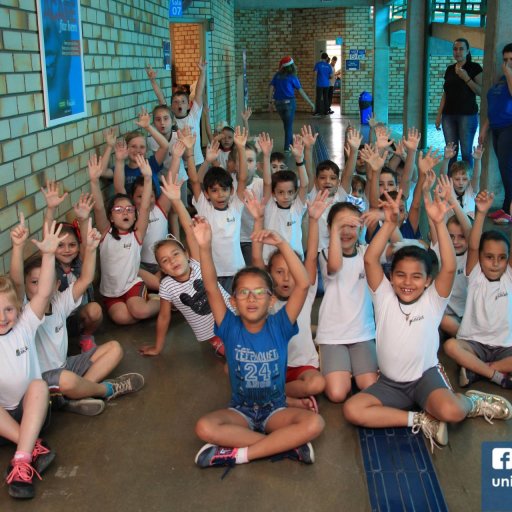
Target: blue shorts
(257, 416)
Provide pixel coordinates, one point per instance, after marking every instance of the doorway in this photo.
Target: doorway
(332, 49)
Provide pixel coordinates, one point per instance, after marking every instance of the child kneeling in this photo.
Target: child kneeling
(257, 424)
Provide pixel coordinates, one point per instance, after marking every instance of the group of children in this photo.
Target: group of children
(244, 283)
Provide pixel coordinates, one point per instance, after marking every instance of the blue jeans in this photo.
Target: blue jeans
(502, 142)
(460, 130)
(286, 111)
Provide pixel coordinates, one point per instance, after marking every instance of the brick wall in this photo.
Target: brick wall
(186, 52)
(120, 37)
(271, 34)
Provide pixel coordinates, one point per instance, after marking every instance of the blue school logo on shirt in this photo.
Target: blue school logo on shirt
(496, 476)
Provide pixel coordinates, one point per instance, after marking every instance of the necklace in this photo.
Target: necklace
(407, 315)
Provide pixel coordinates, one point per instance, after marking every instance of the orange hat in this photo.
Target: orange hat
(285, 61)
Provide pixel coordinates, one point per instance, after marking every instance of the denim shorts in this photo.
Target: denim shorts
(257, 416)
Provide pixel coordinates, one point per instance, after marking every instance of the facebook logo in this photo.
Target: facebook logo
(502, 458)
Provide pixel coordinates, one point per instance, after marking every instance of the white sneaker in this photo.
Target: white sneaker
(489, 406)
(85, 406)
(434, 430)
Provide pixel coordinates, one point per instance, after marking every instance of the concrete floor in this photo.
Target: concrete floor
(139, 454)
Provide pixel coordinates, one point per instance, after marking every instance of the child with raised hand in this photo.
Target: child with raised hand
(346, 327)
(24, 398)
(182, 284)
(72, 381)
(85, 320)
(303, 378)
(459, 228)
(483, 345)
(123, 230)
(257, 423)
(133, 145)
(285, 198)
(223, 209)
(408, 310)
(309, 140)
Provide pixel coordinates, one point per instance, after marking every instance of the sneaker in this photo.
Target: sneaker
(87, 343)
(42, 456)
(504, 219)
(497, 214)
(303, 453)
(212, 455)
(19, 479)
(507, 382)
(433, 429)
(85, 406)
(124, 384)
(467, 377)
(489, 406)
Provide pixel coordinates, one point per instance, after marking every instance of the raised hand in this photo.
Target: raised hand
(51, 194)
(150, 72)
(187, 137)
(240, 136)
(400, 149)
(266, 143)
(144, 166)
(246, 114)
(318, 206)
(478, 151)
(449, 151)
(212, 151)
(383, 138)
(372, 217)
(254, 206)
(308, 137)
(144, 119)
(430, 178)
(202, 231)
(110, 137)
(179, 149)
(51, 239)
(268, 237)
(484, 201)
(19, 233)
(297, 148)
(202, 64)
(429, 160)
(93, 237)
(354, 138)
(412, 140)
(373, 158)
(171, 188)
(436, 209)
(84, 206)
(121, 150)
(372, 121)
(445, 188)
(391, 207)
(94, 166)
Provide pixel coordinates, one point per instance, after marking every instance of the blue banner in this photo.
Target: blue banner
(497, 476)
(175, 8)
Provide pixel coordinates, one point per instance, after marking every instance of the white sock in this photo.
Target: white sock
(241, 455)
(410, 418)
(497, 377)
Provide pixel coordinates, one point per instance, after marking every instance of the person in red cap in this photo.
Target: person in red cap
(282, 96)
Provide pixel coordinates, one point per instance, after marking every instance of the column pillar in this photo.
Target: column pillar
(381, 61)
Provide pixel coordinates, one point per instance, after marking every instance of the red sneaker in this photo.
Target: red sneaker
(497, 214)
(19, 479)
(42, 456)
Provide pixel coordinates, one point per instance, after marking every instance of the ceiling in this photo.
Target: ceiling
(299, 4)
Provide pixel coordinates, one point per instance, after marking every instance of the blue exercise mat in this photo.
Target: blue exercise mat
(399, 471)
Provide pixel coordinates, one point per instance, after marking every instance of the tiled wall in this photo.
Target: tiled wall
(120, 37)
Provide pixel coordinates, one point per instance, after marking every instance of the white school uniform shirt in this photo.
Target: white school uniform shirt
(468, 203)
(120, 262)
(193, 119)
(153, 146)
(287, 222)
(19, 364)
(52, 335)
(191, 301)
(226, 224)
(346, 312)
(301, 348)
(323, 230)
(158, 227)
(222, 158)
(488, 314)
(247, 219)
(406, 348)
(460, 284)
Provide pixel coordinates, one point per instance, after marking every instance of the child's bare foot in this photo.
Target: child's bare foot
(308, 403)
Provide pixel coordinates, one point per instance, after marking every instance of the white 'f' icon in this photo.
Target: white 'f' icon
(502, 458)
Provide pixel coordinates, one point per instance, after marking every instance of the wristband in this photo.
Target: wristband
(300, 163)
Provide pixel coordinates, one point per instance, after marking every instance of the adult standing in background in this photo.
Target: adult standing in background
(332, 81)
(458, 110)
(282, 95)
(499, 120)
(323, 72)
